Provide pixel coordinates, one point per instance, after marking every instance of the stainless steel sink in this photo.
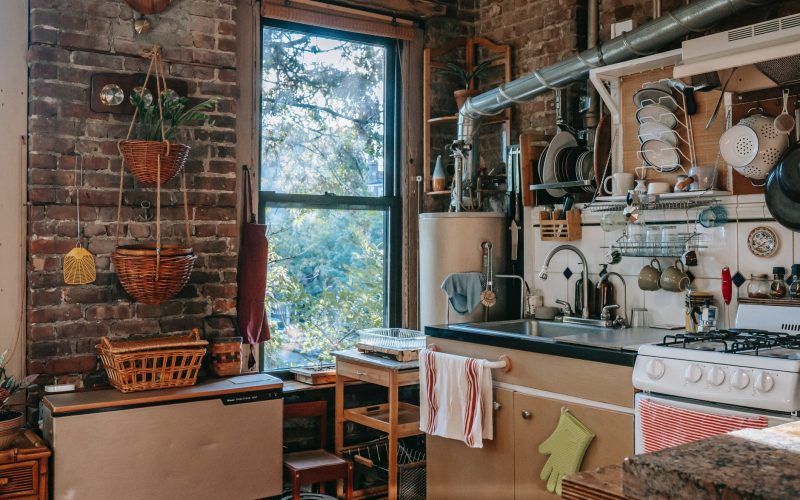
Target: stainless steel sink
(529, 327)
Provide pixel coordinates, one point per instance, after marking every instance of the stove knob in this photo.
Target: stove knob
(716, 376)
(764, 382)
(693, 373)
(655, 369)
(739, 379)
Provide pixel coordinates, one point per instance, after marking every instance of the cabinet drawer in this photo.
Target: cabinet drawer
(579, 378)
(362, 372)
(19, 479)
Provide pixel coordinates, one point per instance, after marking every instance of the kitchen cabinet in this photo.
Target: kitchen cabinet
(456, 471)
(529, 401)
(536, 417)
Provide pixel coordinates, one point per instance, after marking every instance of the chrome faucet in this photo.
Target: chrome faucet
(622, 318)
(585, 272)
(524, 290)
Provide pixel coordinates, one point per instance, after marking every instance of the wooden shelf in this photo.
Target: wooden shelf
(377, 417)
(470, 52)
(438, 193)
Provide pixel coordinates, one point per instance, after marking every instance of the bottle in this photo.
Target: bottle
(439, 177)
(606, 294)
(759, 286)
(778, 288)
(794, 288)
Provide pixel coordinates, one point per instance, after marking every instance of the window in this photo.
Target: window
(327, 189)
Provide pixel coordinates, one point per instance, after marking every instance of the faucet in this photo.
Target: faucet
(523, 292)
(585, 272)
(622, 319)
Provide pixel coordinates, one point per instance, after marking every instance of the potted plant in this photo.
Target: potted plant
(467, 80)
(155, 131)
(10, 420)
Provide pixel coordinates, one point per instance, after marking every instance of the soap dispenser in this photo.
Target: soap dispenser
(579, 298)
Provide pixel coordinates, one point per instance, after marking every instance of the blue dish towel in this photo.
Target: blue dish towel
(463, 290)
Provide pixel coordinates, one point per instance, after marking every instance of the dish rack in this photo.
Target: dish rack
(673, 247)
(372, 466)
(686, 124)
(392, 338)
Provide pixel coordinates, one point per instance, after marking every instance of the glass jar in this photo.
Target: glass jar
(758, 287)
(794, 288)
(778, 288)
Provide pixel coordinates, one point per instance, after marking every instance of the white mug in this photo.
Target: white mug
(621, 183)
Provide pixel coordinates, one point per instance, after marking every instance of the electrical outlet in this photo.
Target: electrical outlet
(621, 27)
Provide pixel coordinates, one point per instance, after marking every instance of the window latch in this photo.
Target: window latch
(328, 193)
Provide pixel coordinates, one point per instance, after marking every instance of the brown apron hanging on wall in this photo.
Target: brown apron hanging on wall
(251, 313)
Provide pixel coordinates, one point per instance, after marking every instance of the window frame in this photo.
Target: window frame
(391, 201)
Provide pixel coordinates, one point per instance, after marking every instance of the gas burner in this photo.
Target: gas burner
(745, 341)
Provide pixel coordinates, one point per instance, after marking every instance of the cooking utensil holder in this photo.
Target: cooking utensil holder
(555, 229)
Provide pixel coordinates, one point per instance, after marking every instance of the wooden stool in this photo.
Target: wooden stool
(315, 466)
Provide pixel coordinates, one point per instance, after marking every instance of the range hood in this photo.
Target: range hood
(766, 54)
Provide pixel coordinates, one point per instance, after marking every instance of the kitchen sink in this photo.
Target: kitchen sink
(530, 327)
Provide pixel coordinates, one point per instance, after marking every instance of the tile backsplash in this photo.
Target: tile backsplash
(720, 246)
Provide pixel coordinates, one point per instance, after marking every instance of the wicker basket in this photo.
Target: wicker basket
(159, 363)
(142, 158)
(136, 268)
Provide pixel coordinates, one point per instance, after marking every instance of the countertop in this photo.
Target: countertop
(616, 347)
(762, 464)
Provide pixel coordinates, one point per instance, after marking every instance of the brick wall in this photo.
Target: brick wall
(69, 41)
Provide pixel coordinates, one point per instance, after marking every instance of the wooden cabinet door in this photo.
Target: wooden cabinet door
(612, 443)
(457, 472)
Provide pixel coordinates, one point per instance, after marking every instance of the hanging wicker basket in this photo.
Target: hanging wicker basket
(142, 158)
(151, 280)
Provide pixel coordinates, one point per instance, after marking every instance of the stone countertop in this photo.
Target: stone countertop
(617, 348)
(751, 464)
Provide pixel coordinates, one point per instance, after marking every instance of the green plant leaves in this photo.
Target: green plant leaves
(148, 117)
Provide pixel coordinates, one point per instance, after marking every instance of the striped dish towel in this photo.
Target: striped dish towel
(455, 397)
(666, 426)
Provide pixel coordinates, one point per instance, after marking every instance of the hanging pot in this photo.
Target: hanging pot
(788, 173)
(785, 210)
(150, 279)
(142, 158)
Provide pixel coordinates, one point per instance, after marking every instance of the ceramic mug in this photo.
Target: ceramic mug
(658, 188)
(621, 183)
(674, 279)
(650, 276)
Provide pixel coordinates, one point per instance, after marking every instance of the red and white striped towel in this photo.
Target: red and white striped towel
(455, 397)
(666, 426)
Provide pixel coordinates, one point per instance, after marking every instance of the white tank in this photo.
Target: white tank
(450, 242)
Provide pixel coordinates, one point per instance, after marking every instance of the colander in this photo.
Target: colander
(769, 146)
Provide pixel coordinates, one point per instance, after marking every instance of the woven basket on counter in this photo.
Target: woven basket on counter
(158, 363)
(149, 279)
(142, 158)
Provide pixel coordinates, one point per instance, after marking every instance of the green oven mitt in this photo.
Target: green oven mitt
(566, 447)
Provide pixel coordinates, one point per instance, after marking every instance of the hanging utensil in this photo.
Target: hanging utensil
(797, 120)
(719, 101)
(784, 123)
(488, 297)
(79, 266)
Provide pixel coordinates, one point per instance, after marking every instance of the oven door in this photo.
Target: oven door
(664, 421)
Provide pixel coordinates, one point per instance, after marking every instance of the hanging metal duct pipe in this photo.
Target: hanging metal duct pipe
(644, 40)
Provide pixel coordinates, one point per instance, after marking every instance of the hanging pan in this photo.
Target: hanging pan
(788, 174)
(785, 210)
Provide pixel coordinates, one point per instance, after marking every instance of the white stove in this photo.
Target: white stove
(698, 385)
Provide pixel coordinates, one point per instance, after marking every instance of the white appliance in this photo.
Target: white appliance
(450, 242)
(699, 385)
(218, 439)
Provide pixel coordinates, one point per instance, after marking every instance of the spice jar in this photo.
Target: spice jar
(794, 288)
(758, 287)
(778, 288)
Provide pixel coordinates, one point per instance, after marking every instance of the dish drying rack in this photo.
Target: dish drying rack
(673, 247)
(400, 344)
(687, 201)
(372, 466)
(686, 124)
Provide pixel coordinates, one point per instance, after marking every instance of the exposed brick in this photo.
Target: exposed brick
(80, 329)
(74, 364)
(54, 314)
(109, 311)
(87, 295)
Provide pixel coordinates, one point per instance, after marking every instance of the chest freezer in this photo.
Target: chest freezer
(217, 439)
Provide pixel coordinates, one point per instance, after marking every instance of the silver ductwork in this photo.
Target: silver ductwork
(642, 41)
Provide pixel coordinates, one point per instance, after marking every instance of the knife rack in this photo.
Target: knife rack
(553, 228)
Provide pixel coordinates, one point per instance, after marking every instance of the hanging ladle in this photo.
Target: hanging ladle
(488, 297)
(784, 123)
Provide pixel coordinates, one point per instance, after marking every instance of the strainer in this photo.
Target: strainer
(770, 146)
(739, 146)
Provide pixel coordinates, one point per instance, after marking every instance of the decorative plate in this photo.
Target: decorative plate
(763, 241)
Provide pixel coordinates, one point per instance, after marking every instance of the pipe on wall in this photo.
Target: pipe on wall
(644, 40)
